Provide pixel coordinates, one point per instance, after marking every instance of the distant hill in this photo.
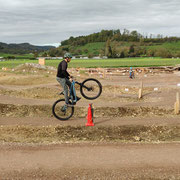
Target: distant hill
(22, 48)
(117, 44)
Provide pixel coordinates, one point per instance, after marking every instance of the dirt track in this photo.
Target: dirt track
(87, 161)
(29, 105)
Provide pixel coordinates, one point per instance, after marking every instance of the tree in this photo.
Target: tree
(150, 53)
(134, 36)
(122, 55)
(101, 53)
(78, 52)
(85, 51)
(35, 54)
(114, 49)
(90, 55)
(131, 49)
(44, 54)
(108, 50)
(52, 52)
(163, 52)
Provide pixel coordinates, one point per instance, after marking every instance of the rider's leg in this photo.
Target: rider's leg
(62, 81)
(130, 74)
(69, 85)
(133, 75)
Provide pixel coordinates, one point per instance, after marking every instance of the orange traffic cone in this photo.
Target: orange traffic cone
(89, 117)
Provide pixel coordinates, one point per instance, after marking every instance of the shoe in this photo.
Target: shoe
(73, 103)
(78, 98)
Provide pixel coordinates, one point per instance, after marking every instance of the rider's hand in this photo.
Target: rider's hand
(71, 77)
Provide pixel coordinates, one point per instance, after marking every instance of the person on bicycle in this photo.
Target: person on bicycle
(131, 73)
(63, 77)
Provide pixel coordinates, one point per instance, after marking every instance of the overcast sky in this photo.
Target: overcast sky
(51, 21)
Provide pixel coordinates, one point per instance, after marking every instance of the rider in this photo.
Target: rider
(63, 77)
(131, 73)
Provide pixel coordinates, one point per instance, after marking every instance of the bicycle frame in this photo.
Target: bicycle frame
(72, 90)
(89, 89)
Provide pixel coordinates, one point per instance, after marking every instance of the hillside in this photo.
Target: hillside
(22, 48)
(116, 44)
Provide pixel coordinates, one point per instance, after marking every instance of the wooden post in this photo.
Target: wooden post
(141, 86)
(142, 71)
(140, 90)
(140, 94)
(42, 61)
(176, 105)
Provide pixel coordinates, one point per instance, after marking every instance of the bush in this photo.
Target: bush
(164, 53)
(10, 57)
(90, 55)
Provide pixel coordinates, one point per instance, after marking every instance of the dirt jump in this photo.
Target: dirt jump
(135, 133)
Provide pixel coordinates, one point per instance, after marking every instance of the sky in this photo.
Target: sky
(48, 22)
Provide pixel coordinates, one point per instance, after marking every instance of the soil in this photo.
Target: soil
(90, 161)
(132, 138)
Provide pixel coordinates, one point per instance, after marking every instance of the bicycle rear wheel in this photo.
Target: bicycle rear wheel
(60, 112)
(91, 88)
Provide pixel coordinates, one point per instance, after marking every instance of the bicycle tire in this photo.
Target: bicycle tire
(56, 110)
(92, 82)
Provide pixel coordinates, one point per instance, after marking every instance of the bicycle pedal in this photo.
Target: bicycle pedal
(61, 93)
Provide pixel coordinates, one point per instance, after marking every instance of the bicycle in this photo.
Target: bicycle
(131, 75)
(90, 89)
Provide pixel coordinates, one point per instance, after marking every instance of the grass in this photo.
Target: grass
(14, 63)
(92, 48)
(104, 63)
(115, 63)
(127, 62)
(173, 47)
(17, 56)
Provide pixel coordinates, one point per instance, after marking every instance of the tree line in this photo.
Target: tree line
(116, 35)
(138, 45)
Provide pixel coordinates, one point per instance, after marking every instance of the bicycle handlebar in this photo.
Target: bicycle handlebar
(88, 88)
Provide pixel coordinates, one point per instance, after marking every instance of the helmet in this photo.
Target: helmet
(130, 67)
(67, 55)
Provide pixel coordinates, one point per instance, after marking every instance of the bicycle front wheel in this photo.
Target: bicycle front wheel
(91, 88)
(60, 111)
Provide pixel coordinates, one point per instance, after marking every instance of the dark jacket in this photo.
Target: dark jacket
(62, 70)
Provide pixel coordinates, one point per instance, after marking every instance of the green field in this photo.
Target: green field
(17, 56)
(106, 63)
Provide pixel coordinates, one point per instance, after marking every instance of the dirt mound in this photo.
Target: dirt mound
(59, 134)
(9, 110)
(24, 80)
(119, 93)
(36, 92)
(34, 68)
